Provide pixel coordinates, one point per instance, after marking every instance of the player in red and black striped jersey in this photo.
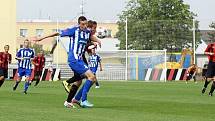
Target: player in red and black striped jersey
(210, 74)
(39, 64)
(5, 60)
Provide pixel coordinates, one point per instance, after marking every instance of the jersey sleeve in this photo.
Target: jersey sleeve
(67, 32)
(99, 59)
(18, 54)
(33, 53)
(208, 48)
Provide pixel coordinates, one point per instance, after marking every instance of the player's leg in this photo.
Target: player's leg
(188, 77)
(37, 77)
(86, 87)
(28, 80)
(73, 91)
(208, 76)
(207, 81)
(212, 88)
(75, 78)
(1, 77)
(97, 83)
(78, 69)
(81, 68)
(20, 74)
(194, 77)
(212, 72)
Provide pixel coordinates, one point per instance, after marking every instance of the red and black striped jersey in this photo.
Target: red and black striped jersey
(39, 63)
(5, 59)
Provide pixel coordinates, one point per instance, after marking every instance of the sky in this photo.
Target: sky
(99, 10)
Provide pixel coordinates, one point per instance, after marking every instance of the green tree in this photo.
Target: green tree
(37, 48)
(157, 24)
(211, 34)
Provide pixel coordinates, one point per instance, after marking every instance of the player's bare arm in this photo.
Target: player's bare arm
(95, 39)
(48, 36)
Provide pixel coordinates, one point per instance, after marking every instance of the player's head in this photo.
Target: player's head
(26, 43)
(93, 51)
(93, 29)
(82, 21)
(92, 25)
(40, 53)
(6, 48)
(194, 65)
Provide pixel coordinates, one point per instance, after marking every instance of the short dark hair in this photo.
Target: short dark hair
(81, 18)
(91, 23)
(94, 23)
(6, 46)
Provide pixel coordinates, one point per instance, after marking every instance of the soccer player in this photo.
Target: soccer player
(92, 25)
(6, 59)
(24, 56)
(210, 74)
(79, 37)
(191, 72)
(95, 60)
(39, 64)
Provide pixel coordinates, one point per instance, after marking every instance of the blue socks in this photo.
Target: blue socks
(26, 86)
(86, 88)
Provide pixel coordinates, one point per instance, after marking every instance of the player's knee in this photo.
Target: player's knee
(92, 78)
(2, 78)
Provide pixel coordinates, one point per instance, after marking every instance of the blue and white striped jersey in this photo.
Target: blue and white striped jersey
(26, 53)
(94, 61)
(78, 40)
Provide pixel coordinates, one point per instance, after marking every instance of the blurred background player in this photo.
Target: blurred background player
(24, 56)
(95, 61)
(39, 64)
(5, 59)
(191, 72)
(210, 74)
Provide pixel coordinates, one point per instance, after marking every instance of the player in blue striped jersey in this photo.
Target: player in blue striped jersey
(79, 36)
(24, 56)
(95, 61)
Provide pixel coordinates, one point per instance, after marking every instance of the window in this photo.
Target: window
(23, 32)
(39, 32)
(109, 33)
(55, 30)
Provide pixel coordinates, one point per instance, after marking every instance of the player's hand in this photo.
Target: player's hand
(211, 53)
(99, 43)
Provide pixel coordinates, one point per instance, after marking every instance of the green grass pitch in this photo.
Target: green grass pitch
(114, 101)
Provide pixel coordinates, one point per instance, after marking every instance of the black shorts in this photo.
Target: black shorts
(204, 71)
(211, 70)
(78, 76)
(1, 72)
(4, 72)
(38, 73)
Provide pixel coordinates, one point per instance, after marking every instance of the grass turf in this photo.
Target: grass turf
(115, 101)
